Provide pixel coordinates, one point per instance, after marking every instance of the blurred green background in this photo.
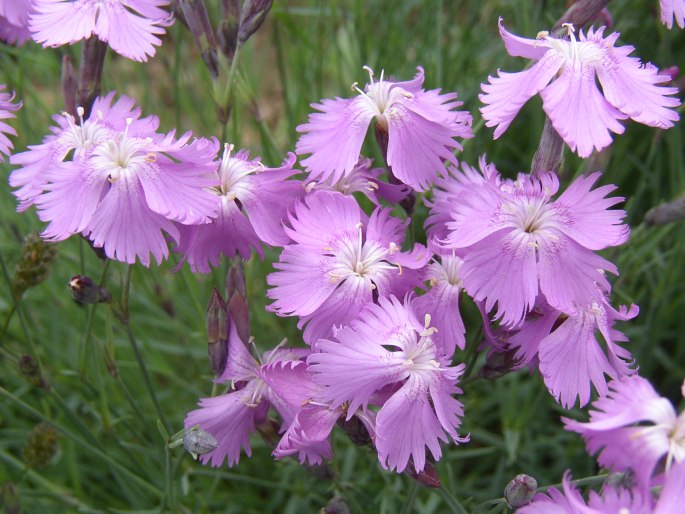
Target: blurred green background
(111, 456)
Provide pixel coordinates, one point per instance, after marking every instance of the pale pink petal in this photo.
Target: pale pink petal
(442, 303)
(334, 136)
(579, 112)
(672, 497)
(59, 22)
(522, 47)
(587, 217)
(508, 92)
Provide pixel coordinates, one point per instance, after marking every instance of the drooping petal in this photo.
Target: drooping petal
(579, 112)
(522, 47)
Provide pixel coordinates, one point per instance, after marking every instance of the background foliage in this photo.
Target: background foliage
(111, 455)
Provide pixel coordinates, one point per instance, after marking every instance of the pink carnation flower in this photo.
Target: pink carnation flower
(342, 259)
(672, 9)
(568, 352)
(516, 241)
(7, 107)
(634, 428)
(421, 127)
(612, 500)
(388, 347)
(232, 417)
(251, 200)
(581, 114)
(14, 21)
(130, 27)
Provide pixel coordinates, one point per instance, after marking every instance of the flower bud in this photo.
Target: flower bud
(227, 32)
(69, 85)
(428, 477)
(197, 19)
(252, 16)
(84, 290)
(217, 332)
(355, 430)
(34, 264)
(199, 442)
(41, 446)
(520, 491)
(498, 364)
(337, 505)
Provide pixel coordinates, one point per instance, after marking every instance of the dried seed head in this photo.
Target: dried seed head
(41, 446)
(34, 264)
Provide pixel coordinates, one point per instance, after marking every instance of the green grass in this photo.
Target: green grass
(112, 457)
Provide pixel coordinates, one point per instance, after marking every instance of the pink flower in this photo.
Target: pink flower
(581, 114)
(568, 351)
(388, 349)
(251, 200)
(671, 9)
(6, 110)
(634, 428)
(613, 500)
(231, 417)
(516, 241)
(14, 21)
(130, 27)
(421, 127)
(342, 259)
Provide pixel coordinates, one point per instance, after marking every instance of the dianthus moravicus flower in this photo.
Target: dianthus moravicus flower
(421, 126)
(581, 114)
(130, 27)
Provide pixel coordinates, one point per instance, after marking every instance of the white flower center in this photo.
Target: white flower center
(381, 96)
(357, 258)
(421, 356)
(233, 173)
(83, 136)
(122, 156)
(576, 53)
(529, 214)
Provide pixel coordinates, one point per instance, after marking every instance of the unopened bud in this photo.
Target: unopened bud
(197, 19)
(34, 264)
(498, 364)
(355, 430)
(84, 290)
(253, 15)
(31, 371)
(9, 499)
(217, 333)
(235, 280)
(227, 32)
(69, 85)
(428, 477)
(41, 446)
(198, 442)
(337, 505)
(520, 491)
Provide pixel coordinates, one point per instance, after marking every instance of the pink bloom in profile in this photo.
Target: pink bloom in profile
(130, 27)
(581, 114)
(77, 140)
(421, 127)
(441, 302)
(568, 352)
(672, 9)
(251, 200)
(14, 21)
(342, 259)
(233, 416)
(7, 107)
(634, 428)
(387, 347)
(516, 241)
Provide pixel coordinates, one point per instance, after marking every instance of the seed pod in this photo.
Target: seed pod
(34, 264)
(9, 499)
(520, 491)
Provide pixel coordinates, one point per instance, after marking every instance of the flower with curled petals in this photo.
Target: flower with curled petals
(130, 27)
(387, 347)
(421, 126)
(564, 74)
(251, 200)
(342, 259)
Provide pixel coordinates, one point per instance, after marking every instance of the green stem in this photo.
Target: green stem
(85, 343)
(136, 350)
(454, 504)
(409, 504)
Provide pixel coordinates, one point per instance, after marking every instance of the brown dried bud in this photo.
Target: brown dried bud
(31, 371)
(355, 430)
(34, 264)
(9, 499)
(498, 364)
(520, 491)
(41, 446)
(84, 290)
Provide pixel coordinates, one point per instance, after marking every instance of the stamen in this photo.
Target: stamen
(542, 34)
(370, 72)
